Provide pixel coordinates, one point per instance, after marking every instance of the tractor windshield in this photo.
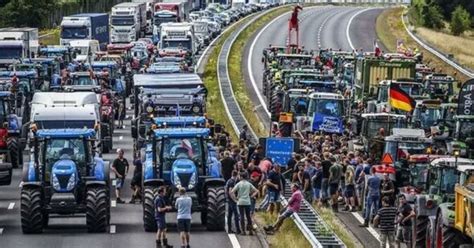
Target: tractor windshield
(402, 150)
(372, 126)
(419, 175)
(328, 107)
(182, 148)
(444, 178)
(428, 117)
(83, 81)
(298, 104)
(466, 128)
(65, 149)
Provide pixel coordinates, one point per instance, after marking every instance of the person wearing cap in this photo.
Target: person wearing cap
(294, 205)
(120, 168)
(274, 187)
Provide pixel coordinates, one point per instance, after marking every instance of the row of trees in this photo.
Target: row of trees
(31, 13)
(435, 13)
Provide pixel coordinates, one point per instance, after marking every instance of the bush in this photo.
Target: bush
(32, 13)
(432, 17)
(460, 21)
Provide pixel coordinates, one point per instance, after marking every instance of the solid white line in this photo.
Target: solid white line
(348, 36)
(234, 241)
(370, 229)
(251, 54)
(113, 229)
(11, 206)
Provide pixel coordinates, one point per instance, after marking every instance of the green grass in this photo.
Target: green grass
(52, 38)
(235, 69)
(339, 228)
(389, 28)
(288, 236)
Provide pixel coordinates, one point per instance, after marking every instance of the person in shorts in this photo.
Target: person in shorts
(294, 205)
(183, 205)
(120, 168)
(405, 216)
(160, 216)
(274, 186)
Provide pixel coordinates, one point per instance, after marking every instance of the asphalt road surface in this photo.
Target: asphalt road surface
(320, 27)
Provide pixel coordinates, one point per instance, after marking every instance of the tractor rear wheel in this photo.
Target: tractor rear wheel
(215, 208)
(97, 209)
(420, 231)
(149, 223)
(446, 236)
(15, 151)
(31, 210)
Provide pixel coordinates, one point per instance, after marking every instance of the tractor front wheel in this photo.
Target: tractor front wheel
(31, 210)
(215, 216)
(420, 231)
(149, 196)
(15, 151)
(97, 209)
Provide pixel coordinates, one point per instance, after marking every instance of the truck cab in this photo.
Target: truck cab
(178, 40)
(84, 50)
(162, 17)
(85, 26)
(127, 23)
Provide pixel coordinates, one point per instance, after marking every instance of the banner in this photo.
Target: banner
(466, 98)
(279, 150)
(328, 124)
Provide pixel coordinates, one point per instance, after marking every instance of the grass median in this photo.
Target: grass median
(288, 236)
(235, 69)
(49, 36)
(390, 27)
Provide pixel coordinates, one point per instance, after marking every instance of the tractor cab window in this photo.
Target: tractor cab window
(382, 94)
(328, 107)
(429, 116)
(181, 148)
(82, 81)
(402, 150)
(298, 105)
(65, 149)
(419, 175)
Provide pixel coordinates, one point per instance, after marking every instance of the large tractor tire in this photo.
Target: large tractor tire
(149, 195)
(15, 151)
(32, 215)
(419, 235)
(446, 237)
(215, 218)
(97, 209)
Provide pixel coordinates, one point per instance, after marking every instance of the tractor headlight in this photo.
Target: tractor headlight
(71, 183)
(56, 185)
(196, 109)
(177, 181)
(192, 181)
(149, 109)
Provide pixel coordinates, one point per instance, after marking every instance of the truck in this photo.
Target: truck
(370, 71)
(127, 22)
(177, 39)
(18, 43)
(84, 50)
(85, 26)
(169, 12)
(150, 5)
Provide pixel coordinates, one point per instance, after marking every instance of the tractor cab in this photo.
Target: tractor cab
(444, 175)
(62, 52)
(292, 61)
(297, 101)
(411, 87)
(63, 172)
(325, 113)
(109, 71)
(316, 81)
(123, 50)
(405, 142)
(463, 136)
(439, 86)
(427, 114)
(82, 81)
(48, 71)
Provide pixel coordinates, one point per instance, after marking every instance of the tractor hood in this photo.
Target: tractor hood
(183, 173)
(64, 175)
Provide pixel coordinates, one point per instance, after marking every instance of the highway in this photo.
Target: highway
(333, 27)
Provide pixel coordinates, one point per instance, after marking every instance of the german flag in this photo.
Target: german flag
(399, 99)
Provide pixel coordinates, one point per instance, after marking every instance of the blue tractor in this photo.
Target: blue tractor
(180, 157)
(64, 177)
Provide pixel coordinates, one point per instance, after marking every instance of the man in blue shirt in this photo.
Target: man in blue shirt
(373, 196)
(231, 204)
(183, 205)
(160, 212)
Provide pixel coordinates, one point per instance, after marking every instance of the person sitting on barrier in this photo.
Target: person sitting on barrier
(294, 205)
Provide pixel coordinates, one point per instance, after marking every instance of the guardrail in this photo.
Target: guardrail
(436, 52)
(308, 221)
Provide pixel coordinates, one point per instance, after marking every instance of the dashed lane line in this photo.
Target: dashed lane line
(113, 229)
(234, 241)
(11, 205)
(1, 230)
(113, 203)
(348, 36)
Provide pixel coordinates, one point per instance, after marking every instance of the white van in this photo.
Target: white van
(84, 50)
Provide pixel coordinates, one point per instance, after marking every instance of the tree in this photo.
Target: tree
(32, 13)
(460, 20)
(432, 17)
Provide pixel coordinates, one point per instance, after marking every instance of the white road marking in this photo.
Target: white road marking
(1, 230)
(11, 206)
(321, 28)
(234, 241)
(370, 229)
(113, 203)
(348, 36)
(113, 229)
(120, 137)
(20, 185)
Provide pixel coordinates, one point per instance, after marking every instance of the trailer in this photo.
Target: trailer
(85, 26)
(18, 43)
(127, 22)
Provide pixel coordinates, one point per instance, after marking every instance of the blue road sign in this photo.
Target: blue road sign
(279, 150)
